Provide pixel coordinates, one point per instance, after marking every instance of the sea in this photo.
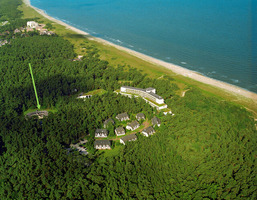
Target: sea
(217, 38)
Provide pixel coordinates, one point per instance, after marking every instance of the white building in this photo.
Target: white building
(82, 96)
(101, 133)
(133, 125)
(120, 131)
(102, 144)
(128, 138)
(32, 24)
(122, 117)
(148, 131)
(148, 93)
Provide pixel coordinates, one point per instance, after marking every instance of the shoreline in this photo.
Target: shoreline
(174, 68)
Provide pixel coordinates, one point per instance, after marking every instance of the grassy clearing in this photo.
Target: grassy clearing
(117, 57)
(94, 92)
(35, 109)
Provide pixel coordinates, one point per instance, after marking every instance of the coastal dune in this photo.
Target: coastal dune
(175, 68)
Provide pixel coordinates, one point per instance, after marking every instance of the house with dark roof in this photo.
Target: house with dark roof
(128, 138)
(140, 116)
(39, 114)
(133, 125)
(120, 131)
(108, 121)
(122, 117)
(148, 131)
(101, 133)
(156, 121)
(102, 144)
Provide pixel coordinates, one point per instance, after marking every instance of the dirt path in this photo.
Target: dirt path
(184, 92)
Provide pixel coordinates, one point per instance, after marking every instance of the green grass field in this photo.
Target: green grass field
(94, 92)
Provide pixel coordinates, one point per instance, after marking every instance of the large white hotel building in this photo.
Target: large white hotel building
(148, 93)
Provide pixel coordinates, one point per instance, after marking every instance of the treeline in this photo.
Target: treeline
(207, 150)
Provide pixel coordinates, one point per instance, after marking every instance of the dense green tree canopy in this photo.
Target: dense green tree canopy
(207, 150)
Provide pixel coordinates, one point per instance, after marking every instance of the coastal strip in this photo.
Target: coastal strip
(175, 68)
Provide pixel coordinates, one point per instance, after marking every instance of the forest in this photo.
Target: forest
(207, 150)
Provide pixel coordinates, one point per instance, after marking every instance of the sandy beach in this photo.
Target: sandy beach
(175, 68)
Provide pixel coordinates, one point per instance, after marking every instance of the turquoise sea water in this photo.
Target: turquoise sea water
(217, 38)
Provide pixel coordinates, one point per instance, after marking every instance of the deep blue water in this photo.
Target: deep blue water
(217, 38)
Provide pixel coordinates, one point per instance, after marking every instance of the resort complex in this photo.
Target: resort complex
(121, 123)
(148, 94)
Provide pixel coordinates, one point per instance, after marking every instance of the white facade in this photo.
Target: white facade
(123, 142)
(120, 131)
(131, 128)
(149, 93)
(32, 24)
(102, 147)
(102, 135)
(84, 96)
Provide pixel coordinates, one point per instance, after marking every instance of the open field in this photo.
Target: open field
(119, 57)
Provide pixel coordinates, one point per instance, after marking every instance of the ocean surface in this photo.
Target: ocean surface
(217, 38)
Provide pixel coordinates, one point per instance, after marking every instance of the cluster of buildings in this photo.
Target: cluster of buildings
(120, 131)
(148, 94)
(31, 26)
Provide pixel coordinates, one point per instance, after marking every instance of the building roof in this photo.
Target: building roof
(122, 115)
(156, 120)
(108, 120)
(102, 142)
(140, 115)
(155, 95)
(149, 130)
(134, 88)
(120, 130)
(134, 124)
(129, 137)
(150, 89)
(101, 131)
(144, 90)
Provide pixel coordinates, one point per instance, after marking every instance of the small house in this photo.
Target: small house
(128, 138)
(133, 125)
(140, 116)
(102, 144)
(101, 133)
(108, 121)
(148, 131)
(82, 96)
(120, 131)
(122, 117)
(156, 121)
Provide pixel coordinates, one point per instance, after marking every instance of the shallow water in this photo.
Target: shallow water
(213, 37)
